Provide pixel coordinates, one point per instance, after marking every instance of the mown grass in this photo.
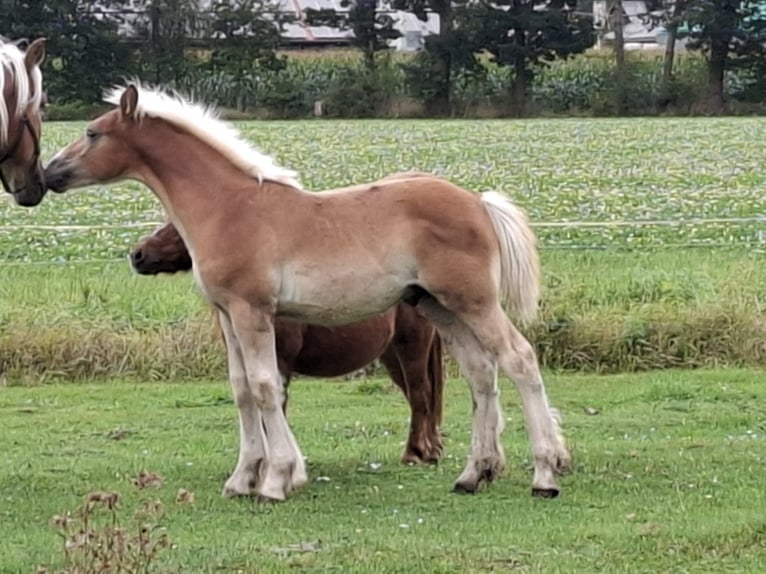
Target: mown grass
(668, 478)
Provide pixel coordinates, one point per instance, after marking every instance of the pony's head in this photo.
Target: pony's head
(114, 145)
(103, 154)
(164, 251)
(21, 100)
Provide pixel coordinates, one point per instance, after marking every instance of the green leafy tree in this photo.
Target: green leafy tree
(523, 34)
(85, 52)
(372, 29)
(444, 55)
(353, 92)
(166, 32)
(732, 34)
(246, 35)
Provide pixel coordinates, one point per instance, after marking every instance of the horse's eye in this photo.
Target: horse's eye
(90, 134)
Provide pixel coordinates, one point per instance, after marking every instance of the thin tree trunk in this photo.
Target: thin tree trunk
(441, 102)
(615, 15)
(716, 67)
(369, 53)
(519, 86)
(667, 64)
(520, 76)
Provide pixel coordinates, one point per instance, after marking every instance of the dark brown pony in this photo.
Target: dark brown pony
(402, 338)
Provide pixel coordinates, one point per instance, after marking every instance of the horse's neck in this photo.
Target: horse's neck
(198, 187)
(186, 172)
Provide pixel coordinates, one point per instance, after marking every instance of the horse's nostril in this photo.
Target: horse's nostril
(138, 256)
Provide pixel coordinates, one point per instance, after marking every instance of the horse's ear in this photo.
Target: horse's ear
(35, 54)
(22, 44)
(129, 101)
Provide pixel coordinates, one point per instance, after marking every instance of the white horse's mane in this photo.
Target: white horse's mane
(203, 122)
(27, 87)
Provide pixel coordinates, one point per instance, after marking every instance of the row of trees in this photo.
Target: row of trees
(242, 38)
(523, 34)
(730, 33)
(92, 44)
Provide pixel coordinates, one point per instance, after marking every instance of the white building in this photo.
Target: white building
(637, 29)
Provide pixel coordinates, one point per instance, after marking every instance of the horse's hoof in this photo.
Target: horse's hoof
(229, 492)
(261, 499)
(299, 476)
(545, 492)
(409, 457)
(465, 488)
(431, 459)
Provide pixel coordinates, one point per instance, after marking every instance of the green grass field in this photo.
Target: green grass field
(653, 253)
(653, 257)
(667, 478)
(559, 170)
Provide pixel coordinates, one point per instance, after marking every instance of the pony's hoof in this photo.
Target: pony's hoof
(545, 492)
(231, 492)
(465, 488)
(411, 457)
(262, 499)
(429, 453)
(431, 459)
(299, 476)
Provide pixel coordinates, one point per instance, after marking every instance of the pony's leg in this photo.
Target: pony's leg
(518, 360)
(285, 468)
(284, 380)
(416, 446)
(487, 458)
(252, 447)
(407, 364)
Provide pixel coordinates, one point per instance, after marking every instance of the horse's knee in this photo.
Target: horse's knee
(267, 394)
(521, 360)
(243, 395)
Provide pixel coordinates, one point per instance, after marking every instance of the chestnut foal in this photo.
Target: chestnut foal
(402, 338)
(263, 247)
(21, 98)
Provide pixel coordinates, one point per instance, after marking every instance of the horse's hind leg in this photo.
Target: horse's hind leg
(487, 458)
(518, 360)
(407, 365)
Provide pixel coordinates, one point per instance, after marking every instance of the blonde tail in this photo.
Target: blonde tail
(519, 261)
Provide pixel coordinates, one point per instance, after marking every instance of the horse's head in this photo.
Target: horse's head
(105, 153)
(164, 251)
(21, 98)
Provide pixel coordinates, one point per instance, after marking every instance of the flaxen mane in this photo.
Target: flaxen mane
(26, 90)
(203, 122)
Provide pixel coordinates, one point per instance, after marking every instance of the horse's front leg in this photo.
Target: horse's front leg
(285, 468)
(252, 444)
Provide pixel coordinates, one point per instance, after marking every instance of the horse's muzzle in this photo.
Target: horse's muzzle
(140, 264)
(58, 176)
(31, 195)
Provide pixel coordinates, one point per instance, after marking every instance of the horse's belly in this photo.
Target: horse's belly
(339, 298)
(339, 350)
